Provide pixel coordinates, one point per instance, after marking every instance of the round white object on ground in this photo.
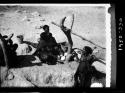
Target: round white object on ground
(96, 85)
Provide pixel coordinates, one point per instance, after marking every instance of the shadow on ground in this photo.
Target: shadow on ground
(25, 61)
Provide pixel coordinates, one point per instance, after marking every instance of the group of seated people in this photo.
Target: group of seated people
(51, 52)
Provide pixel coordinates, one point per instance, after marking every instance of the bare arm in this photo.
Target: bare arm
(30, 43)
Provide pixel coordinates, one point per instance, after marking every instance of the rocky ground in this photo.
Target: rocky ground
(26, 21)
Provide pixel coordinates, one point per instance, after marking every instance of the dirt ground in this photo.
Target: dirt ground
(89, 23)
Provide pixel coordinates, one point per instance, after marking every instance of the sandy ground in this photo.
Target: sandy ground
(89, 23)
(41, 76)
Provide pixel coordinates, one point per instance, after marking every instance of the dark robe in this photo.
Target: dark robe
(84, 72)
(46, 48)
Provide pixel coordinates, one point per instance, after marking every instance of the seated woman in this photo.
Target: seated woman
(46, 48)
(23, 48)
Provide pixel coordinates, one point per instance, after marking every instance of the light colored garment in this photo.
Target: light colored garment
(23, 49)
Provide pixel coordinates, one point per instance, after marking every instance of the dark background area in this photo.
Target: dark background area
(120, 53)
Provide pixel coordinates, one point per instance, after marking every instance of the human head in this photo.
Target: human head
(87, 50)
(46, 28)
(20, 38)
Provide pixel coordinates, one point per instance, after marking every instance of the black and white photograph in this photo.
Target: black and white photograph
(55, 45)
